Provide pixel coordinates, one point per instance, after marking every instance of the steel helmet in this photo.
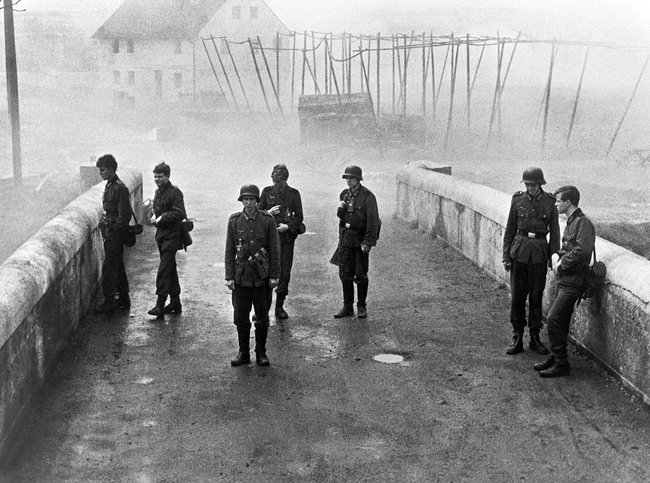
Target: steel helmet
(533, 175)
(249, 190)
(353, 172)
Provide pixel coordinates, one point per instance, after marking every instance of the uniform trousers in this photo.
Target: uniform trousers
(114, 278)
(245, 298)
(286, 263)
(527, 280)
(558, 320)
(354, 264)
(167, 278)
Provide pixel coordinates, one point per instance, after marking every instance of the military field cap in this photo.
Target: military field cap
(249, 190)
(281, 171)
(352, 172)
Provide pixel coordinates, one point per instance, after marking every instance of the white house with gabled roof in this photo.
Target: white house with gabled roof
(153, 52)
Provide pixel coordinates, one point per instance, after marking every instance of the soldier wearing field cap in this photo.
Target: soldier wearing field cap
(252, 267)
(358, 232)
(284, 203)
(532, 234)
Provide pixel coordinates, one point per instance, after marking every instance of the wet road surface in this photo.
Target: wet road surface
(141, 400)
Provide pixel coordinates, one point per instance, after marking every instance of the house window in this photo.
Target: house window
(116, 46)
(177, 47)
(129, 46)
(116, 77)
(236, 13)
(178, 80)
(131, 79)
(253, 12)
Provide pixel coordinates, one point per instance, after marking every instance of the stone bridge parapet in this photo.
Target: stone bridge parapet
(614, 326)
(47, 286)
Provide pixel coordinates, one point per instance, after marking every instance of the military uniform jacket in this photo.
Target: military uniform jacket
(117, 209)
(168, 204)
(530, 220)
(290, 209)
(244, 238)
(360, 215)
(578, 242)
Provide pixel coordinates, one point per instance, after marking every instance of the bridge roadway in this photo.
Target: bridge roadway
(141, 400)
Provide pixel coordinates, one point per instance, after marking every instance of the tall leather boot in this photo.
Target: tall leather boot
(362, 293)
(535, 343)
(174, 306)
(348, 300)
(280, 313)
(517, 345)
(243, 356)
(159, 310)
(260, 345)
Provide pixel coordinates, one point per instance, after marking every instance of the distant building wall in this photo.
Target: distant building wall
(144, 72)
(48, 285)
(614, 326)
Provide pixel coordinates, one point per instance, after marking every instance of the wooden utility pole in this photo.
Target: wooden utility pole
(12, 88)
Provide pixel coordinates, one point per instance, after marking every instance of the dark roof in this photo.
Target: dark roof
(159, 19)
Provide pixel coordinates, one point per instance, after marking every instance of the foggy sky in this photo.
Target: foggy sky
(621, 21)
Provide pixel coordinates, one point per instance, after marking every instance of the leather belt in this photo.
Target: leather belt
(532, 235)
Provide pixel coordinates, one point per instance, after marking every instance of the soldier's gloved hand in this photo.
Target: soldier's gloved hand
(273, 282)
(365, 248)
(282, 227)
(230, 284)
(153, 219)
(507, 266)
(274, 210)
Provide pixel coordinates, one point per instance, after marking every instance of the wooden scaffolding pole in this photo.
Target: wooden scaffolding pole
(434, 98)
(378, 72)
(277, 61)
(259, 76)
(225, 74)
(548, 93)
(497, 89)
(425, 71)
(575, 102)
(268, 71)
(620, 123)
(293, 67)
(469, 90)
(304, 60)
(333, 73)
(393, 52)
(452, 76)
(214, 71)
(313, 51)
(234, 65)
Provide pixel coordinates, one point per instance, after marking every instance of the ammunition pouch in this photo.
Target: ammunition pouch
(260, 263)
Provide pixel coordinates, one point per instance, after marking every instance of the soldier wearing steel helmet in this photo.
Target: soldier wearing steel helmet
(358, 232)
(252, 264)
(532, 234)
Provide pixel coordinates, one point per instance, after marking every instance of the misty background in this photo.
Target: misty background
(68, 117)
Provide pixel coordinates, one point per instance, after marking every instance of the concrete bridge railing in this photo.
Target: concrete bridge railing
(614, 326)
(46, 287)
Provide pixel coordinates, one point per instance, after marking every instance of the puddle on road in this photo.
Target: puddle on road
(388, 358)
